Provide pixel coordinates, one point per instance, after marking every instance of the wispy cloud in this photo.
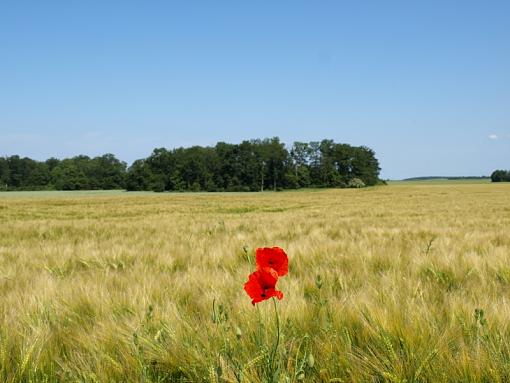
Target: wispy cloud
(493, 136)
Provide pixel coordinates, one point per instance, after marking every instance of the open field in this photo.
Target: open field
(441, 181)
(118, 287)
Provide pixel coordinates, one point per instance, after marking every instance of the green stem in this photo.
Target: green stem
(273, 354)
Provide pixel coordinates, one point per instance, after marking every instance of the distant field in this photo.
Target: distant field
(414, 284)
(58, 194)
(443, 181)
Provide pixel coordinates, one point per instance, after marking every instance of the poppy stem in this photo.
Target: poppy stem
(260, 329)
(273, 354)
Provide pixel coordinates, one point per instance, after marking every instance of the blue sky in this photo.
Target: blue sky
(425, 84)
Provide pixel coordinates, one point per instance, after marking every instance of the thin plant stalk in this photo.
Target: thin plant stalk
(277, 343)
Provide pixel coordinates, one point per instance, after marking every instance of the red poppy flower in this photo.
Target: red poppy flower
(261, 285)
(273, 257)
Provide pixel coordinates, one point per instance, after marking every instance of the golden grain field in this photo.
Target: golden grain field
(402, 283)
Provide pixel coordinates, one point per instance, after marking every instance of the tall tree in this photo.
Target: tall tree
(109, 172)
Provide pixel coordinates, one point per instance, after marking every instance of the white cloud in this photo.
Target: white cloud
(493, 136)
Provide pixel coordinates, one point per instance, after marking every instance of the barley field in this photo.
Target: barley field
(403, 283)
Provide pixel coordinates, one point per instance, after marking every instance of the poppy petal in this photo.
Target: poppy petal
(261, 285)
(273, 257)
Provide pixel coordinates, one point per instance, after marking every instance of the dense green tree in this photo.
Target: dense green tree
(160, 165)
(38, 177)
(82, 173)
(251, 165)
(17, 171)
(300, 155)
(276, 160)
(51, 163)
(25, 173)
(4, 174)
(365, 166)
(71, 174)
(139, 176)
(108, 172)
(500, 176)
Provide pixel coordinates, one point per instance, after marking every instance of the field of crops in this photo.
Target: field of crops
(401, 283)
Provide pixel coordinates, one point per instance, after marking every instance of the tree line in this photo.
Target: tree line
(253, 165)
(500, 176)
(77, 173)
